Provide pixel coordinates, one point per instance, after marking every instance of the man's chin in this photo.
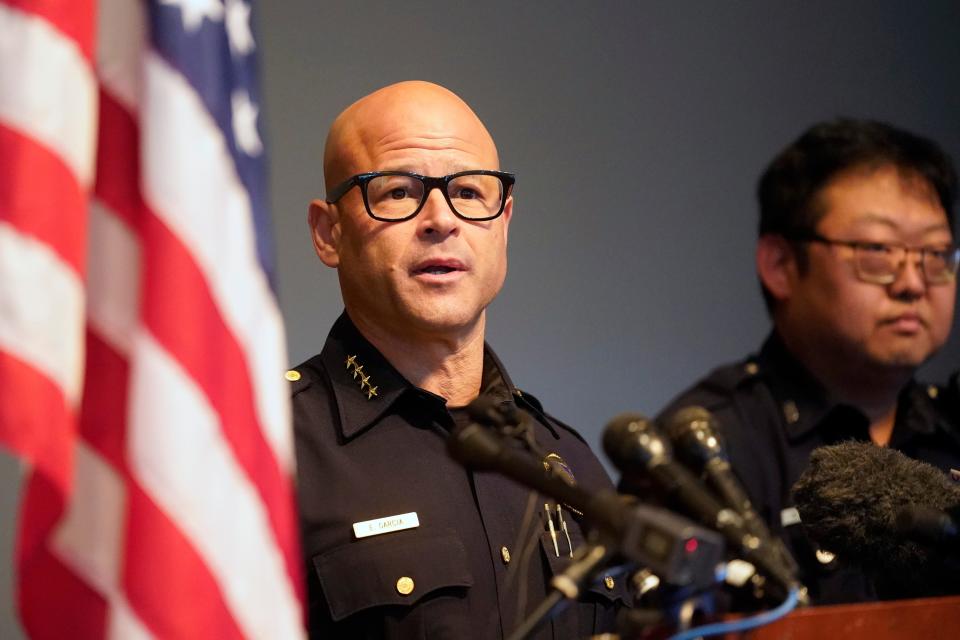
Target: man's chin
(906, 359)
(446, 321)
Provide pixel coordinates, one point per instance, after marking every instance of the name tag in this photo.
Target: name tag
(386, 525)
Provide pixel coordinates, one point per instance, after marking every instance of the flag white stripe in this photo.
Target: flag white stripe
(121, 40)
(113, 278)
(123, 623)
(41, 310)
(39, 66)
(90, 536)
(208, 209)
(178, 454)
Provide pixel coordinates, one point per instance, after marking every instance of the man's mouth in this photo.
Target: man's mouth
(438, 267)
(907, 322)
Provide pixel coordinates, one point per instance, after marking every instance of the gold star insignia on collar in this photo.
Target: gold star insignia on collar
(365, 385)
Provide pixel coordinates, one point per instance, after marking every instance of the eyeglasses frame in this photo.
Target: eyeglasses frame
(430, 183)
(812, 236)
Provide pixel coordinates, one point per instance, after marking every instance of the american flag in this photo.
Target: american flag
(141, 344)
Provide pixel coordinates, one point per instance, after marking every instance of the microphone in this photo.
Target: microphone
(695, 438)
(673, 547)
(925, 524)
(634, 444)
(850, 499)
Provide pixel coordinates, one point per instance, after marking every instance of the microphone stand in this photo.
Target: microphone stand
(565, 586)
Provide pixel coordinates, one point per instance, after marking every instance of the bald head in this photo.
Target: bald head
(400, 116)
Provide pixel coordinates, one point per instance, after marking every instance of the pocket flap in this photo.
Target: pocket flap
(610, 590)
(398, 569)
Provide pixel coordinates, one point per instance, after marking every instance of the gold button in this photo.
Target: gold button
(790, 411)
(405, 586)
(505, 554)
(293, 375)
(933, 391)
(824, 556)
(751, 368)
(608, 582)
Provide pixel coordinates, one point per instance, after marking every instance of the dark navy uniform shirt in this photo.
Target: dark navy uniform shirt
(371, 447)
(772, 414)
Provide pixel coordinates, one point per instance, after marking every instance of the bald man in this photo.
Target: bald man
(400, 541)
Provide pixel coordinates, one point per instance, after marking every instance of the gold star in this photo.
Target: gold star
(372, 391)
(357, 370)
(364, 381)
(351, 360)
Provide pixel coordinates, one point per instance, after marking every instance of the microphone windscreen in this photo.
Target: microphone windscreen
(849, 497)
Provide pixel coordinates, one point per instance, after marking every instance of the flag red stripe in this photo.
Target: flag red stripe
(56, 603)
(166, 581)
(104, 408)
(118, 161)
(40, 196)
(75, 19)
(215, 361)
(35, 421)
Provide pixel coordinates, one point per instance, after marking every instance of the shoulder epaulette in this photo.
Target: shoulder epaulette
(527, 400)
(299, 379)
(524, 398)
(731, 377)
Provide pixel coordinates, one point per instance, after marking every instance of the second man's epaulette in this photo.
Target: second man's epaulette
(729, 378)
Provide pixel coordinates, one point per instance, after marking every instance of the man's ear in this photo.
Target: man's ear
(507, 215)
(324, 220)
(776, 265)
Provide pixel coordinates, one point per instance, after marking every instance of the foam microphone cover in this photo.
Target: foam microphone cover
(849, 497)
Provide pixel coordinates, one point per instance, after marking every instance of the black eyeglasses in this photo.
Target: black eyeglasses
(395, 196)
(881, 262)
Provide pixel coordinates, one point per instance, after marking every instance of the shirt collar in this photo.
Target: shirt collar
(801, 399)
(806, 405)
(366, 386)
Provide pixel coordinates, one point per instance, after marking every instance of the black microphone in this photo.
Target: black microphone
(933, 526)
(849, 499)
(634, 444)
(673, 547)
(697, 443)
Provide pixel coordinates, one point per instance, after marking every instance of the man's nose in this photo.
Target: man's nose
(436, 218)
(910, 282)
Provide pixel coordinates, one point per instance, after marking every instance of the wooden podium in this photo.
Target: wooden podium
(925, 619)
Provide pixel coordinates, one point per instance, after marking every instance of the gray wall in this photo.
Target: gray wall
(636, 130)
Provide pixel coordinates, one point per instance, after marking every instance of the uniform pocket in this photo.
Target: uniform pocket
(600, 590)
(397, 570)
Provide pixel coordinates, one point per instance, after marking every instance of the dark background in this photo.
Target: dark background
(637, 131)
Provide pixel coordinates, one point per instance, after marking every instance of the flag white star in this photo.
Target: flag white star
(237, 22)
(245, 123)
(192, 12)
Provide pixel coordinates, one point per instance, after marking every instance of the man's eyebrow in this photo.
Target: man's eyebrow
(448, 170)
(885, 220)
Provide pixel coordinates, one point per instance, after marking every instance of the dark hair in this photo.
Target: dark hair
(788, 190)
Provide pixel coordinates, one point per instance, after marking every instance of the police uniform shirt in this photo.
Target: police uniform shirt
(371, 448)
(772, 414)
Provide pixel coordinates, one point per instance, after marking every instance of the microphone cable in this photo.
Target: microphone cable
(744, 624)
